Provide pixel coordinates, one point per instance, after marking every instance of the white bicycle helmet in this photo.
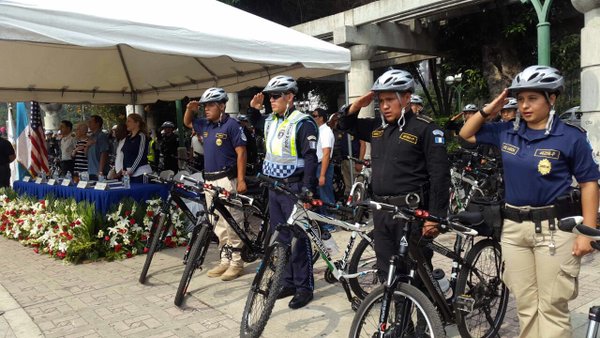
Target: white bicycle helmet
(281, 84)
(416, 99)
(538, 78)
(394, 80)
(214, 95)
(470, 108)
(512, 104)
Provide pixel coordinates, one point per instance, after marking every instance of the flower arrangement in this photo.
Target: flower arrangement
(71, 231)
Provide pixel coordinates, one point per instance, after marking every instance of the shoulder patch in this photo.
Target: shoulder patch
(575, 126)
(377, 133)
(424, 118)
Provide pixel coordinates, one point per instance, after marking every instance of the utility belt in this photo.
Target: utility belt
(535, 215)
(288, 180)
(565, 205)
(412, 200)
(230, 173)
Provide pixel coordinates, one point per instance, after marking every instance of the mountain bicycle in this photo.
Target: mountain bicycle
(267, 283)
(575, 225)
(159, 230)
(479, 297)
(253, 237)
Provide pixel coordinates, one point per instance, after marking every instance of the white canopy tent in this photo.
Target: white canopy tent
(115, 51)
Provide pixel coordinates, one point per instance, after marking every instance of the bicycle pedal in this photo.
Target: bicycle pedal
(355, 303)
(464, 303)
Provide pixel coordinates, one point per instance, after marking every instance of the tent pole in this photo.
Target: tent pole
(348, 139)
(179, 112)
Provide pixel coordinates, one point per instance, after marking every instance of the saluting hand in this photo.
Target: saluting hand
(192, 106)
(257, 101)
(582, 246)
(361, 102)
(496, 105)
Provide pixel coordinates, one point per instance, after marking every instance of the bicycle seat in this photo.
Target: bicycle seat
(467, 218)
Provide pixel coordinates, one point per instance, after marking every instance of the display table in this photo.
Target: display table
(102, 199)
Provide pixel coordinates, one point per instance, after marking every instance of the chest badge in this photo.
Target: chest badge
(219, 142)
(410, 138)
(544, 166)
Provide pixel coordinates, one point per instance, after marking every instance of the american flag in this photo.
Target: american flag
(39, 152)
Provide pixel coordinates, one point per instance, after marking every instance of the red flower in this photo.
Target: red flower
(127, 213)
(146, 250)
(144, 238)
(118, 247)
(77, 222)
(107, 238)
(174, 232)
(129, 254)
(131, 221)
(36, 250)
(150, 213)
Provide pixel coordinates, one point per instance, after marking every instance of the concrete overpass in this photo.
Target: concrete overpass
(387, 33)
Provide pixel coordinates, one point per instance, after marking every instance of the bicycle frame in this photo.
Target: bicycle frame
(300, 220)
(220, 204)
(417, 265)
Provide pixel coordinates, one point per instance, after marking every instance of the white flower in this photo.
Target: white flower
(100, 234)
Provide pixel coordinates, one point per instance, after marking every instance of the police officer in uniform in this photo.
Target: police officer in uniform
(540, 156)
(225, 167)
(408, 155)
(291, 158)
(416, 104)
(168, 147)
(509, 110)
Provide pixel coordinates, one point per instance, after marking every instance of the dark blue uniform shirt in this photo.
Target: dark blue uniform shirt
(135, 151)
(220, 140)
(538, 168)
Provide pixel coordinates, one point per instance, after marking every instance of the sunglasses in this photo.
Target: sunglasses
(276, 96)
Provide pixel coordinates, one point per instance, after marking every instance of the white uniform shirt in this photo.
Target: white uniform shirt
(197, 146)
(67, 144)
(326, 140)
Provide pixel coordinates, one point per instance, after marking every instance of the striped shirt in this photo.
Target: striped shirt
(81, 162)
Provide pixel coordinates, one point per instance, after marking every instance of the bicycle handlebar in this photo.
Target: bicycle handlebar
(472, 218)
(305, 197)
(366, 163)
(575, 225)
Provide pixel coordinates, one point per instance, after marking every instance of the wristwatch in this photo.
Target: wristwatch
(484, 114)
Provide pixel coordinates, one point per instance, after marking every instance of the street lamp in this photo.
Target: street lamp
(455, 82)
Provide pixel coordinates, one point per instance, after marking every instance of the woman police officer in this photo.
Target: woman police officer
(540, 156)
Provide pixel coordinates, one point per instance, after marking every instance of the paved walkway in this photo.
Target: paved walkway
(44, 297)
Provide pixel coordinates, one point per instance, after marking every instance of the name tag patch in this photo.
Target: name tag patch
(547, 153)
(410, 138)
(377, 133)
(509, 148)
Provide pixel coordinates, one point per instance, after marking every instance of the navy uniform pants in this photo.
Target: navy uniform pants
(299, 272)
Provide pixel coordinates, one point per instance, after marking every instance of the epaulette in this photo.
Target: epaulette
(570, 124)
(424, 118)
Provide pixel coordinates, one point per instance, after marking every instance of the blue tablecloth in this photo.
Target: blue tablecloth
(103, 199)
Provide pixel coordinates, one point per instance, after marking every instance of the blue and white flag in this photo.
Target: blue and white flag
(22, 141)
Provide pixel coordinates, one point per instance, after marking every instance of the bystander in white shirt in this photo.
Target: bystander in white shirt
(67, 145)
(326, 140)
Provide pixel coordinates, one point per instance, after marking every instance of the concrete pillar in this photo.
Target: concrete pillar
(233, 105)
(360, 78)
(138, 109)
(590, 70)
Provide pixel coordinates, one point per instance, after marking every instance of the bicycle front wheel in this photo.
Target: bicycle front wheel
(411, 314)
(482, 297)
(264, 291)
(364, 261)
(156, 237)
(198, 249)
